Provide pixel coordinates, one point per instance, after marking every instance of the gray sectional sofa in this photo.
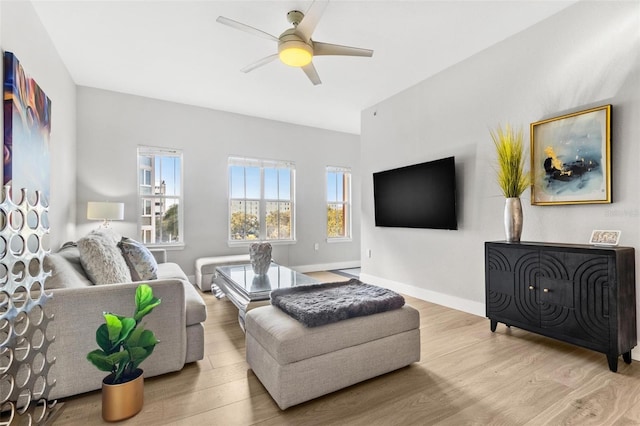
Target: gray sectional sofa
(77, 305)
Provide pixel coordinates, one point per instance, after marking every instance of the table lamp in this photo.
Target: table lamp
(105, 211)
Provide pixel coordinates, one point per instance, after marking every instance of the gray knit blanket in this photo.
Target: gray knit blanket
(320, 304)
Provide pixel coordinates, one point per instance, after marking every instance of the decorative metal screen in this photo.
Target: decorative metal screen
(24, 367)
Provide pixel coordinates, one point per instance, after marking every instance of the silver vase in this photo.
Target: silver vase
(513, 219)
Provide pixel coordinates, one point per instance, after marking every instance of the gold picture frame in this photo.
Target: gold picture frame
(571, 158)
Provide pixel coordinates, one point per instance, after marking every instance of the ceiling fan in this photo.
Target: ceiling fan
(295, 46)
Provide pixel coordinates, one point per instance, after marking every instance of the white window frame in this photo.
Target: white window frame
(145, 202)
(346, 202)
(262, 164)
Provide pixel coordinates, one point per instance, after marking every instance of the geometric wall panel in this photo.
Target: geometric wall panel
(24, 367)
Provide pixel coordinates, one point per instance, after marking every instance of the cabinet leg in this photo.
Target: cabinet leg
(613, 362)
(494, 324)
(627, 357)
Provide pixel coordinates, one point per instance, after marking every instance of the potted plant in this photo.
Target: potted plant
(123, 346)
(511, 176)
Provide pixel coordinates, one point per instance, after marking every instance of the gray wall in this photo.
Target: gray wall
(585, 56)
(111, 126)
(22, 33)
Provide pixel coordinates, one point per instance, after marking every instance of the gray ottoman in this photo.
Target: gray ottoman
(296, 363)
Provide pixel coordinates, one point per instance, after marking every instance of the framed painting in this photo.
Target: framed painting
(27, 129)
(571, 158)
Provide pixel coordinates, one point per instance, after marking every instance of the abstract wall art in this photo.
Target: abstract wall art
(571, 158)
(27, 130)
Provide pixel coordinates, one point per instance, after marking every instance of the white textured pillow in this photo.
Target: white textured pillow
(101, 258)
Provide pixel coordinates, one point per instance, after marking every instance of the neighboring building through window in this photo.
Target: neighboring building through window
(160, 196)
(261, 200)
(338, 203)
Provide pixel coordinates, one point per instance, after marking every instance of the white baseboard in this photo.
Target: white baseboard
(326, 266)
(449, 301)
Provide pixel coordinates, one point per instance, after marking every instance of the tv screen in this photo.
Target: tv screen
(418, 196)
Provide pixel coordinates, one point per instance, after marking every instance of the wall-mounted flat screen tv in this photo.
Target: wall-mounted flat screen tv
(417, 196)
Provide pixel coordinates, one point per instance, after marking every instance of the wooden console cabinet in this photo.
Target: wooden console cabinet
(581, 294)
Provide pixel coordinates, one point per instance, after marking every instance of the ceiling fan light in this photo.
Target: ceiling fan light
(295, 53)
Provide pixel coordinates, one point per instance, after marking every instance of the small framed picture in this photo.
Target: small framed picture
(604, 238)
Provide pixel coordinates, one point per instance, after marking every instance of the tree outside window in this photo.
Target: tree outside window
(261, 200)
(338, 203)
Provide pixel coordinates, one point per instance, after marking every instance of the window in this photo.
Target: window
(338, 203)
(160, 196)
(261, 200)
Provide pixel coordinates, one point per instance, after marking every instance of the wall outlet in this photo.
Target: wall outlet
(369, 253)
(316, 246)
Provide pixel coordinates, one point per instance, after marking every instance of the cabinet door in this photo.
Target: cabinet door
(510, 280)
(574, 292)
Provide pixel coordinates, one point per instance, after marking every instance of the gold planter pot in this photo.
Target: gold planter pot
(123, 400)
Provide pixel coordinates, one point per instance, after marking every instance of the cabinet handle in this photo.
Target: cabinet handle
(546, 290)
(531, 287)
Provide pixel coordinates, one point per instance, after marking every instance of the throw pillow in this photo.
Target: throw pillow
(63, 273)
(142, 264)
(69, 252)
(101, 258)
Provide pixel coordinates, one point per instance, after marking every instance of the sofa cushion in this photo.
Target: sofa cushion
(102, 259)
(142, 264)
(63, 273)
(195, 306)
(69, 251)
(170, 270)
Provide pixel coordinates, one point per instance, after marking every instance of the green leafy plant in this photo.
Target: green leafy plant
(124, 345)
(512, 178)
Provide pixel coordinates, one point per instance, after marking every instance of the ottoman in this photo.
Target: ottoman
(297, 363)
(206, 268)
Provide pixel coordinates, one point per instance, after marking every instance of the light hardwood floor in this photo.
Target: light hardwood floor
(466, 376)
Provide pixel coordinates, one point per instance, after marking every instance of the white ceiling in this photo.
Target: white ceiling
(174, 50)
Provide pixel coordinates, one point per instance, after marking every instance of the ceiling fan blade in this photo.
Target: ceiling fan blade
(311, 72)
(260, 62)
(320, 48)
(311, 18)
(246, 28)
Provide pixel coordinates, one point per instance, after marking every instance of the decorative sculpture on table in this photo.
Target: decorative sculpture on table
(260, 255)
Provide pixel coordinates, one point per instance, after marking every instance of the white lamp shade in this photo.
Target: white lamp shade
(99, 210)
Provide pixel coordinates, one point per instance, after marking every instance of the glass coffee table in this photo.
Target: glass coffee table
(246, 290)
